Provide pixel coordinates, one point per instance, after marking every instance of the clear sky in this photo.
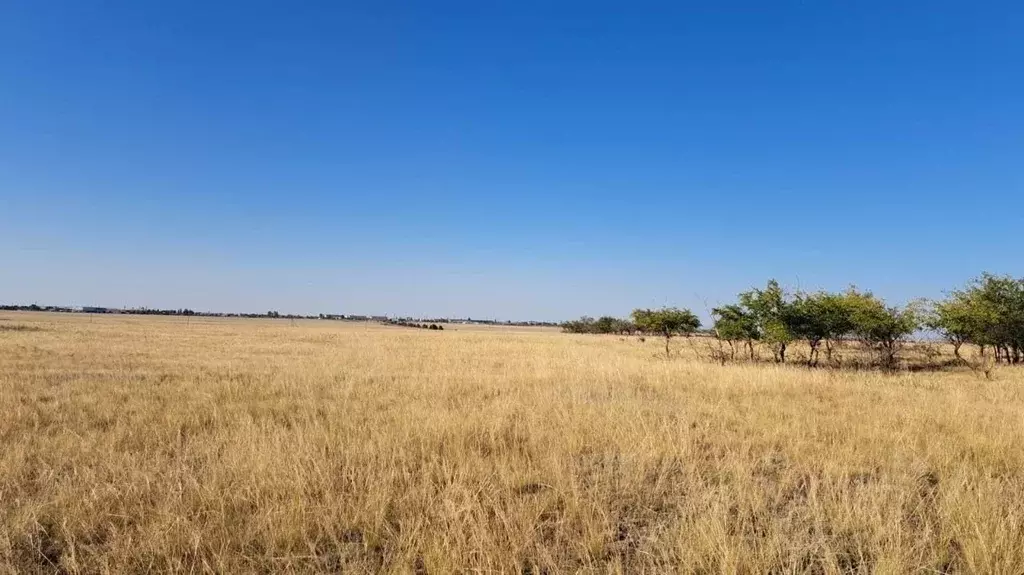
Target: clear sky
(517, 160)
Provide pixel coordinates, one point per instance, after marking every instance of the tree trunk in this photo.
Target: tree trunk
(782, 353)
(956, 349)
(889, 355)
(666, 345)
(750, 347)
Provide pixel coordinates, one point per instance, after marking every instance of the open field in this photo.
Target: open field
(137, 444)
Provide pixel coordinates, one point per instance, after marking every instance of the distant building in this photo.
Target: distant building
(88, 309)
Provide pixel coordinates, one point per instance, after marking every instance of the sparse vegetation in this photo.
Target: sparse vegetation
(153, 444)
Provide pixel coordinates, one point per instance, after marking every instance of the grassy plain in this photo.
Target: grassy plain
(234, 446)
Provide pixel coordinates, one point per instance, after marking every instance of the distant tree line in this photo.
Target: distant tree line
(273, 314)
(35, 307)
(147, 311)
(405, 323)
(605, 324)
(469, 320)
(988, 313)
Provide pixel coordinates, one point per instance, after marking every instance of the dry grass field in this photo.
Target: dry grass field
(135, 444)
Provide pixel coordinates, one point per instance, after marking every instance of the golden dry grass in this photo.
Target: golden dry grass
(160, 444)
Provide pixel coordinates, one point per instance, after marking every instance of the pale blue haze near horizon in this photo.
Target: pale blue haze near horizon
(510, 160)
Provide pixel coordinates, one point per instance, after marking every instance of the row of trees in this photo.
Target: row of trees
(404, 323)
(775, 318)
(988, 312)
(605, 324)
(666, 322)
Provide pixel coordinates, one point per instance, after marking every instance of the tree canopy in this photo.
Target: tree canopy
(666, 322)
(988, 312)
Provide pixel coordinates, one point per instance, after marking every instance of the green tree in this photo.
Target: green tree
(666, 322)
(999, 309)
(733, 324)
(583, 325)
(881, 328)
(960, 318)
(605, 324)
(623, 327)
(819, 317)
(769, 308)
(838, 319)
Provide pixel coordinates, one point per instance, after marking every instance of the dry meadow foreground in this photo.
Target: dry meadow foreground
(136, 444)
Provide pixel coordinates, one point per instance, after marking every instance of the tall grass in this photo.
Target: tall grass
(161, 444)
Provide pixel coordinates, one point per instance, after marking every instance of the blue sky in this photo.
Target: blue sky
(513, 160)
